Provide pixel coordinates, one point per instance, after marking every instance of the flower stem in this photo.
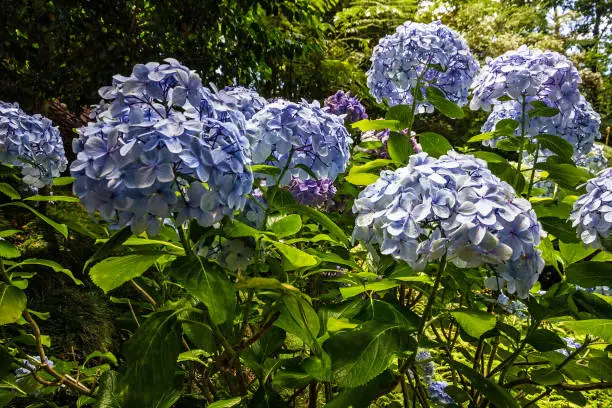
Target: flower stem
(431, 299)
(533, 170)
(522, 143)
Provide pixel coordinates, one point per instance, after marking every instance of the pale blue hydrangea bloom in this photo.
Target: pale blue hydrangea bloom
(304, 132)
(254, 210)
(245, 100)
(594, 161)
(571, 344)
(399, 59)
(592, 212)
(452, 205)
(436, 391)
(342, 103)
(30, 368)
(157, 138)
(312, 192)
(526, 72)
(579, 125)
(32, 143)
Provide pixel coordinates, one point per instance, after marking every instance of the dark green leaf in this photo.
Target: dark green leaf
(109, 246)
(547, 376)
(323, 220)
(208, 286)
(402, 114)
(590, 274)
(545, 340)
(267, 397)
(437, 98)
(494, 393)
(9, 191)
(557, 145)
(114, 272)
(475, 322)
(12, 303)
(8, 250)
(61, 228)
(566, 175)
(434, 144)
(547, 112)
(509, 144)
(506, 127)
(362, 397)
(398, 147)
(108, 391)
(298, 317)
(559, 228)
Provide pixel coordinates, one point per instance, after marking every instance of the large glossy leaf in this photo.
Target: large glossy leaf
(559, 228)
(566, 175)
(8, 250)
(289, 225)
(108, 391)
(322, 219)
(298, 317)
(557, 145)
(398, 147)
(590, 274)
(361, 179)
(545, 340)
(151, 355)
(361, 354)
(208, 286)
(474, 322)
(296, 257)
(114, 272)
(437, 98)
(401, 113)
(109, 246)
(366, 124)
(362, 397)
(12, 303)
(494, 393)
(434, 144)
(594, 327)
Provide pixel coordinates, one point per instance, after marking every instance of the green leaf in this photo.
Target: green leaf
(379, 124)
(363, 396)
(361, 179)
(265, 169)
(557, 145)
(151, 355)
(9, 191)
(298, 317)
(559, 228)
(228, 403)
(61, 228)
(113, 272)
(289, 225)
(494, 393)
(361, 354)
(545, 340)
(506, 127)
(434, 144)
(192, 355)
(67, 199)
(547, 376)
(402, 114)
(208, 286)
(491, 158)
(296, 257)
(109, 246)
(544, 111)
(12, 302)
(399, 147)
(566, 175)
(351, 291)
(323, 220)
(475, 322)
(9, 232)
(50, 264)
(590, 274)
(139, 241)
(108, 391)
(437, 98)
(509, 144)
(482, 137)
(371, 166)
(63, 181)
(594, 327)
(9, 251)
(105, 355)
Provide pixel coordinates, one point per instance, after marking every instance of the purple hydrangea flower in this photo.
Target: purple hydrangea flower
(592, 212)
(245, 100)
(312, 192)
(520, 73)
(436, 392)
(303, 133)
(342, 103)
(32, 143)
(433, 52)
(452, 205)
(162, 146)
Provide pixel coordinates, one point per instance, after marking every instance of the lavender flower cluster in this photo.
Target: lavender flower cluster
(423, 54)
(162, 145)
(312, 192)
(287, 134)
(32, 143)
(342, 103)
(455, 206)
(592, 212)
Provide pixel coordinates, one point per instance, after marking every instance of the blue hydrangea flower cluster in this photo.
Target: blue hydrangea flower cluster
(602, 290)
(30, 368)
(571, 344)
(455, 206)
(312, 192)
(254, 210)
(526, 72)
(162, 145)
(579, 125)
(245, 100)
(436, 391)
(594, 161)
(342, 103)
(592, 212)
(303, 133)
(431, 54)
(32, 143)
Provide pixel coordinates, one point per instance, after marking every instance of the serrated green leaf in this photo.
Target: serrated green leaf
(296, 257)
(434, 144)
(298, 317)
(289, 225)
(402, 114)
(113, 272)
(545, 340)
(559, 228)
(564, 174)
(437, 98)
(8, 250)
(557, 145)
(474, 322)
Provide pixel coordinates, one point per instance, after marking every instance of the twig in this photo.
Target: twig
(536, 399)
(246, 343)
(144, 293)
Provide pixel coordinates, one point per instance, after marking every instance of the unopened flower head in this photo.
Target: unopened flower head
(32, 143)
(291, 135)
(592, 212)
(162, 145)
(342, 103)
(455, 206)
(527, 72)
(430, 54)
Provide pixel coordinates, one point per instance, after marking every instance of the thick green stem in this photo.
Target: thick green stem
(522, 143)
(3, 272)
(184, 240)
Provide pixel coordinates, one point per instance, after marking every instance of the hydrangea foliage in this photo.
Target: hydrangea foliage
(162, 145)
(287, 134)
(428, 54)
(32, 143)
(526, 72)
(592, 212)
(342, 103)
(455, 206)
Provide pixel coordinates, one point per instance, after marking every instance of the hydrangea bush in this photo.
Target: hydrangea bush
(264, 259)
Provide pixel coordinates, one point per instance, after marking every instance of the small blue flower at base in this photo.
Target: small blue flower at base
(527, 72)
(436, 392)
(432, 52)
(303, 133)
(452, 205)
(30, 368)
(342, 103)
(162, 146)
(592, 212)
(571, 344)
(32, 143)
